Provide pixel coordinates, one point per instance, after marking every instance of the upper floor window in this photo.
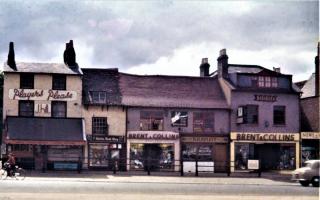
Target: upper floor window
(59, 82)
(279, 115)
(26, 81)
(203, 122)
(98, 96)
(99, 126)
(59, 109)
(179, 118)
(151, 120)
(265, 81)
(248, 114)
(26, 108)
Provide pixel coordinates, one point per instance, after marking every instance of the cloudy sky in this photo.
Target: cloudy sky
(165, 36)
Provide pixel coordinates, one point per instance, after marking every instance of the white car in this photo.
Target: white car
(308, 174)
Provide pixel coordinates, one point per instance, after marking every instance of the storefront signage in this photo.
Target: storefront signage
(253, 164)
(115, 139)
(265, 136)
(205, 139)
(42, 95)
(145, 135)
(267, 98)
(310, 135)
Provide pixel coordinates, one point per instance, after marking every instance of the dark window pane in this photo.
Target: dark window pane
(279, 115)
(250, 114)
(26, 81)
(99, 126)
(59, 109)
(203, 122)
(59, 82)
(26, 108)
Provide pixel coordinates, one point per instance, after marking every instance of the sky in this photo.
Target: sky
(165, 36)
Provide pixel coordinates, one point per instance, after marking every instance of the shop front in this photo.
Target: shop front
(205, 149)
(106, 152)
(154, 150)
(274, 151)
(310, 142)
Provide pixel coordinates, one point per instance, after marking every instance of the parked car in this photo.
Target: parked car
(308, 174)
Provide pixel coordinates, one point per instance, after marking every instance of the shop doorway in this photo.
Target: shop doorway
(268, 154)
(220, 157)
(151, 155)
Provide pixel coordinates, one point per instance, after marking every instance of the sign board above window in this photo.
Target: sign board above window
(42, 95)
(266, 98)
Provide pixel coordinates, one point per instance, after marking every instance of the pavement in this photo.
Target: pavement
(267, 178)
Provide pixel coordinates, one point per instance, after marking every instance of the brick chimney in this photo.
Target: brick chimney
(204, 67)
(317, 74)
(69, 55)
(11, 60)
(223, 64)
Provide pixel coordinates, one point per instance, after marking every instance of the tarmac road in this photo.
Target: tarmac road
(152, 188)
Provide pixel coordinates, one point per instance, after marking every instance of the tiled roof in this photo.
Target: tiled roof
(46, 68)
(171, 91)
(102, 80)
(308, 89)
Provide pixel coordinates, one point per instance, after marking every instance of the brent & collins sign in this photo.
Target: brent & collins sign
(282, 137)
(153, 135)
(42, 95)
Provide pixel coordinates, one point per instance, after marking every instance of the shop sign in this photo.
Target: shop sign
(105, 138)
(149, 135)
(253, 164)
(267, 98)
(205, 139)
(265, 136)
(42, 95)
(310, 135)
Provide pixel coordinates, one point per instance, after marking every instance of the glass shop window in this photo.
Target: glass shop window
(179, 118)
(151, 120)
(243, 152)
(99, 126)
(59, 109)
(279, 115)
(59, 82)
(26, 81)
(203, 122)
(26, 108)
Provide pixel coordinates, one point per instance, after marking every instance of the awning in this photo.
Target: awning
(45, 131)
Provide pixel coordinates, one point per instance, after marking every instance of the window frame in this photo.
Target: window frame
(53, 103)
(204, 117)
(56, 78)
(20, 106)
(99, 93)
(26, 81)
(243, 119)
(94, 126)
(149, 118)
(284, 116)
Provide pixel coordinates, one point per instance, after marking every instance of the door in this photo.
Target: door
(220, 157)
(151, 154)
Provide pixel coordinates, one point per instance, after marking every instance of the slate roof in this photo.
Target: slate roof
(236, 68)
(43, 68)
(308, 89)
(44, 129)
(171, 91)
(106, 80)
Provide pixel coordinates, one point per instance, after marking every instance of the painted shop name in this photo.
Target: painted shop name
(44, 95)
(265, 137)
(267, 98)
(147, 136)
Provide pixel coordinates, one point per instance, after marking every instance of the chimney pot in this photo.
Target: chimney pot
(223, 52)
(277, 69)
(204, 60)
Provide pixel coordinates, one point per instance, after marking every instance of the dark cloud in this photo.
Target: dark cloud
(126, 34)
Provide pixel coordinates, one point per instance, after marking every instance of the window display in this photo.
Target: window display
(98, 154)
(191, 152)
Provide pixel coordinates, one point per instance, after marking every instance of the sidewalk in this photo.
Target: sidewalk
(267, 178)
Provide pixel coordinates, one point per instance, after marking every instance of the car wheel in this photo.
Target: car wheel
(304, 183)
(315, 182)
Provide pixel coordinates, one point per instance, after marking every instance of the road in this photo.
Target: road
(77, 189)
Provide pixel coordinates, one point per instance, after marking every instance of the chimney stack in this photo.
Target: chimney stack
(317, 74)
(69, 55)
(204, 67)
(223, 64)
(11, 60)
(277, 69)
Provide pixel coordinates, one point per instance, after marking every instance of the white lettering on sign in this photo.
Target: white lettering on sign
(42, 95)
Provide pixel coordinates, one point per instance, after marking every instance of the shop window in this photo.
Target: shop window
(248, 114)
(243, 152)
(98, 154)
(20, 147)
(151, 120)
(179, 118)
(191, 152)
(26, 81)
(287, 157)
(279, 115)
(203, 122)
(98, 97)
(99, 126)
(26, 108)
(59, 109)
(59, 82)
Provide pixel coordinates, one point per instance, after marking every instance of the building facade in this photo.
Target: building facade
(264, 119)
(42, 106)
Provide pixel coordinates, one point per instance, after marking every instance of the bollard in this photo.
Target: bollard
(79, 165)
(181, 168)
(197, 173)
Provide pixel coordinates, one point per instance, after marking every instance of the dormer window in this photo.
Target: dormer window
(264, 81)
(98, 96)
